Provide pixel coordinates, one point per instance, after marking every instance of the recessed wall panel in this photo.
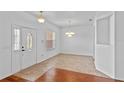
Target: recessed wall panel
(103, 31)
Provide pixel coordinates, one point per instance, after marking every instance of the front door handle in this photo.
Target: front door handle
(23, 50)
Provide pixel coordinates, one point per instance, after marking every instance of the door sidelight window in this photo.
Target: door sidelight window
(16, 39)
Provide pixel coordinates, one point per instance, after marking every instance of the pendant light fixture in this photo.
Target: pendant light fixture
(69, 33)
(40, 18)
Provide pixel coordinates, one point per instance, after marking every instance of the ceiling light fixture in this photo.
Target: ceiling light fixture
(40, 18)
(69, 34)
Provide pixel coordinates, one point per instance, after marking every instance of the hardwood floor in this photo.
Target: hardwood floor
(60, 75)
(14, 79)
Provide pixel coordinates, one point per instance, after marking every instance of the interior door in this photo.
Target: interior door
(28, 47)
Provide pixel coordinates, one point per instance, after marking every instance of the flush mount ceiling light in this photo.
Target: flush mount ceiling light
(40, 18)
(69, 34)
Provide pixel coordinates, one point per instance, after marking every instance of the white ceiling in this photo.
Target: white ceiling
(62, 18)
(68, 18)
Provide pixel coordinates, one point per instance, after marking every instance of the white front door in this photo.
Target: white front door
(28, 47)
(23, 48)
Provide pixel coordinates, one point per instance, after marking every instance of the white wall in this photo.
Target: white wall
(22, 19)
(82, 43)
(5, 45)
(119, 18)
(42, 52)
